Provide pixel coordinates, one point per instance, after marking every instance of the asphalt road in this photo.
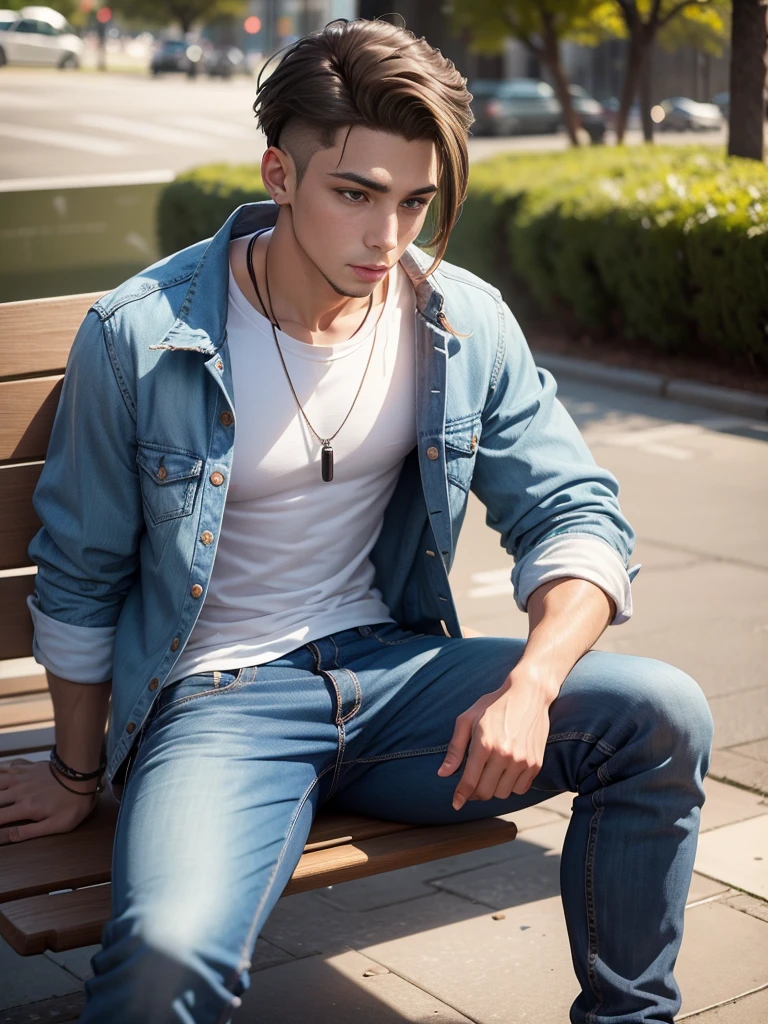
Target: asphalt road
(57, 124)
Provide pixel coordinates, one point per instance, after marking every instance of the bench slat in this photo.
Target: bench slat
(16, 632)
(17, 485)
(67, 920)
(26, 739)
(14, 686)
(26, 709)
(38, 333)
(27, 408)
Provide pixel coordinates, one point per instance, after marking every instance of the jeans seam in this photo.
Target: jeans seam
(394, 643)
(403, 753)
(589, 891)
(339, 720)
(242, 964)
(560, 737)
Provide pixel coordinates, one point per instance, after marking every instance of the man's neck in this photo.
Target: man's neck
(303, 302)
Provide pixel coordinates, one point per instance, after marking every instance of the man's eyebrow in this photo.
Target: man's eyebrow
(376, 186)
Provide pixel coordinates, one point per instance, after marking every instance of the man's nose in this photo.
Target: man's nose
(383, 234)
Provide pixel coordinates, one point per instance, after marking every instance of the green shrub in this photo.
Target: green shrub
(196, 203)
(665, 245)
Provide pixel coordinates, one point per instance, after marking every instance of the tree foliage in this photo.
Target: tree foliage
(184, 13)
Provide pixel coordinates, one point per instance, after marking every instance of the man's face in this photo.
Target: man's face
(360, 210)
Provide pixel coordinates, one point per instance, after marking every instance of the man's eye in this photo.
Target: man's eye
(420, 204)
(353, 194)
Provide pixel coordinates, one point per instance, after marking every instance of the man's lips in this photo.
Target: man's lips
(370, 271)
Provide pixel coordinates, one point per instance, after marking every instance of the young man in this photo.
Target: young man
(274, 616)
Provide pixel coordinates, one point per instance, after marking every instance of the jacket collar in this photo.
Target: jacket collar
(201, 320)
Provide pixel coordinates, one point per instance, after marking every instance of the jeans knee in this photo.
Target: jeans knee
(678, 712)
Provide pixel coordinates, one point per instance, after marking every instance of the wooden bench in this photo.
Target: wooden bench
(54, 891)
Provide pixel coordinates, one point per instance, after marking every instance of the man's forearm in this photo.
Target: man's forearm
(566, 618)
(80, 710)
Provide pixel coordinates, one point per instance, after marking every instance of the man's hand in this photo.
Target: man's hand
(507, 732)
(29, 793)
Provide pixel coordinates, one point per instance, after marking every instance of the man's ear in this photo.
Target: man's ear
(278, 173)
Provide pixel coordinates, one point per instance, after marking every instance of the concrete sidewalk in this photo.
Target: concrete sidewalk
(479, 937)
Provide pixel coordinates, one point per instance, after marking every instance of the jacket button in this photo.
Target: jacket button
(196, 591)
(175, 643)
(154, 683)
(226, 419)
(130, 727)
(162, 473)
(219, 364)
(206, 537)
(432, 453)
(217, 479)
(431, 553)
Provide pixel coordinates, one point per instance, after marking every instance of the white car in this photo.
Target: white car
(38, 35)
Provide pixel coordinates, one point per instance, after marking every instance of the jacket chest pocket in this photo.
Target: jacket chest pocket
(169, 479)
(461, 440)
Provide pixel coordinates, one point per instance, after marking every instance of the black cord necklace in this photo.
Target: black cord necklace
(325, 442)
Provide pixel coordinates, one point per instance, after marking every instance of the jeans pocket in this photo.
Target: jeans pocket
(390, 634)
(204, 684)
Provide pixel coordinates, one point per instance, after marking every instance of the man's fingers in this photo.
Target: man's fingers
(471, 775)
(18, 833)
(454, 755)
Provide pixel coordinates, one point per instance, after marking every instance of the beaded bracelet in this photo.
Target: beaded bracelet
(90, 792)
(70, 773)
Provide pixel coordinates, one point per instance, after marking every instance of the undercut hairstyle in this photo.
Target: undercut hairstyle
(375, 75)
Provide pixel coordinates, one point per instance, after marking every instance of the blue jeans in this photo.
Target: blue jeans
(232, 767)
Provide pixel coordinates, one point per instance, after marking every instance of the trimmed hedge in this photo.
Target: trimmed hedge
(665, 245)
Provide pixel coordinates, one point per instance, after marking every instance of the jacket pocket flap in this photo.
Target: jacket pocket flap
(167, 465)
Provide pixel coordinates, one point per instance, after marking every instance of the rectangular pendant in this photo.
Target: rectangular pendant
(327, 463)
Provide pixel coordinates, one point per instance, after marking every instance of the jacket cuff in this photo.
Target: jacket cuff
(80, 654)
(583, 556)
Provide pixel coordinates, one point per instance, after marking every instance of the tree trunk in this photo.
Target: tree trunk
(635, 60)
(550, 55)
(747, 79)
(646, 76)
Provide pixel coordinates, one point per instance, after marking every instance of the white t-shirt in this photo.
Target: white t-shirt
(292, 563)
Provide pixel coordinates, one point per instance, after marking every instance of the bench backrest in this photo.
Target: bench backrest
(35, 339)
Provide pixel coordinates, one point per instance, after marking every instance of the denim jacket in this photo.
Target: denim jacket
(131, 496)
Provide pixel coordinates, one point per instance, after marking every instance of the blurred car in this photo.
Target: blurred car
(223, 61)
(589, 112)
(611, 114)
(518, 106)
(177, 55)
(680, 114)
(39, 35)
(723, 102)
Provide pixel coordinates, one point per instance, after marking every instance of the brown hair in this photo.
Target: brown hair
(374, 74)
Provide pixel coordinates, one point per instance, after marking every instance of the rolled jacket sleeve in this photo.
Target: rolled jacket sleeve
(88, 500)
(583, 557)
(556, 510)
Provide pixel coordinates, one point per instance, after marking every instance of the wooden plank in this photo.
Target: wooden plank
(15, 686)
(16, 634)
(26, 709)
(66, 920)
(63, 921)
(27, 408)
(388, 853)
(17, 485)
(26, 739)
(38, 333)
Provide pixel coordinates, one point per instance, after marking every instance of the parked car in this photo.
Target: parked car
(515, 107)
(39, 35)
(224, 61)
(611, 113)
(174, 55)
(589, 112)
(680, 114)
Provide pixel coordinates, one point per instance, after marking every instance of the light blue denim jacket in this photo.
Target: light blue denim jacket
(128, 498)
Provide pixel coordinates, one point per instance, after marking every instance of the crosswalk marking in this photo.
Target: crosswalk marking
(225, 129)
(67, 140)
(144, 130)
